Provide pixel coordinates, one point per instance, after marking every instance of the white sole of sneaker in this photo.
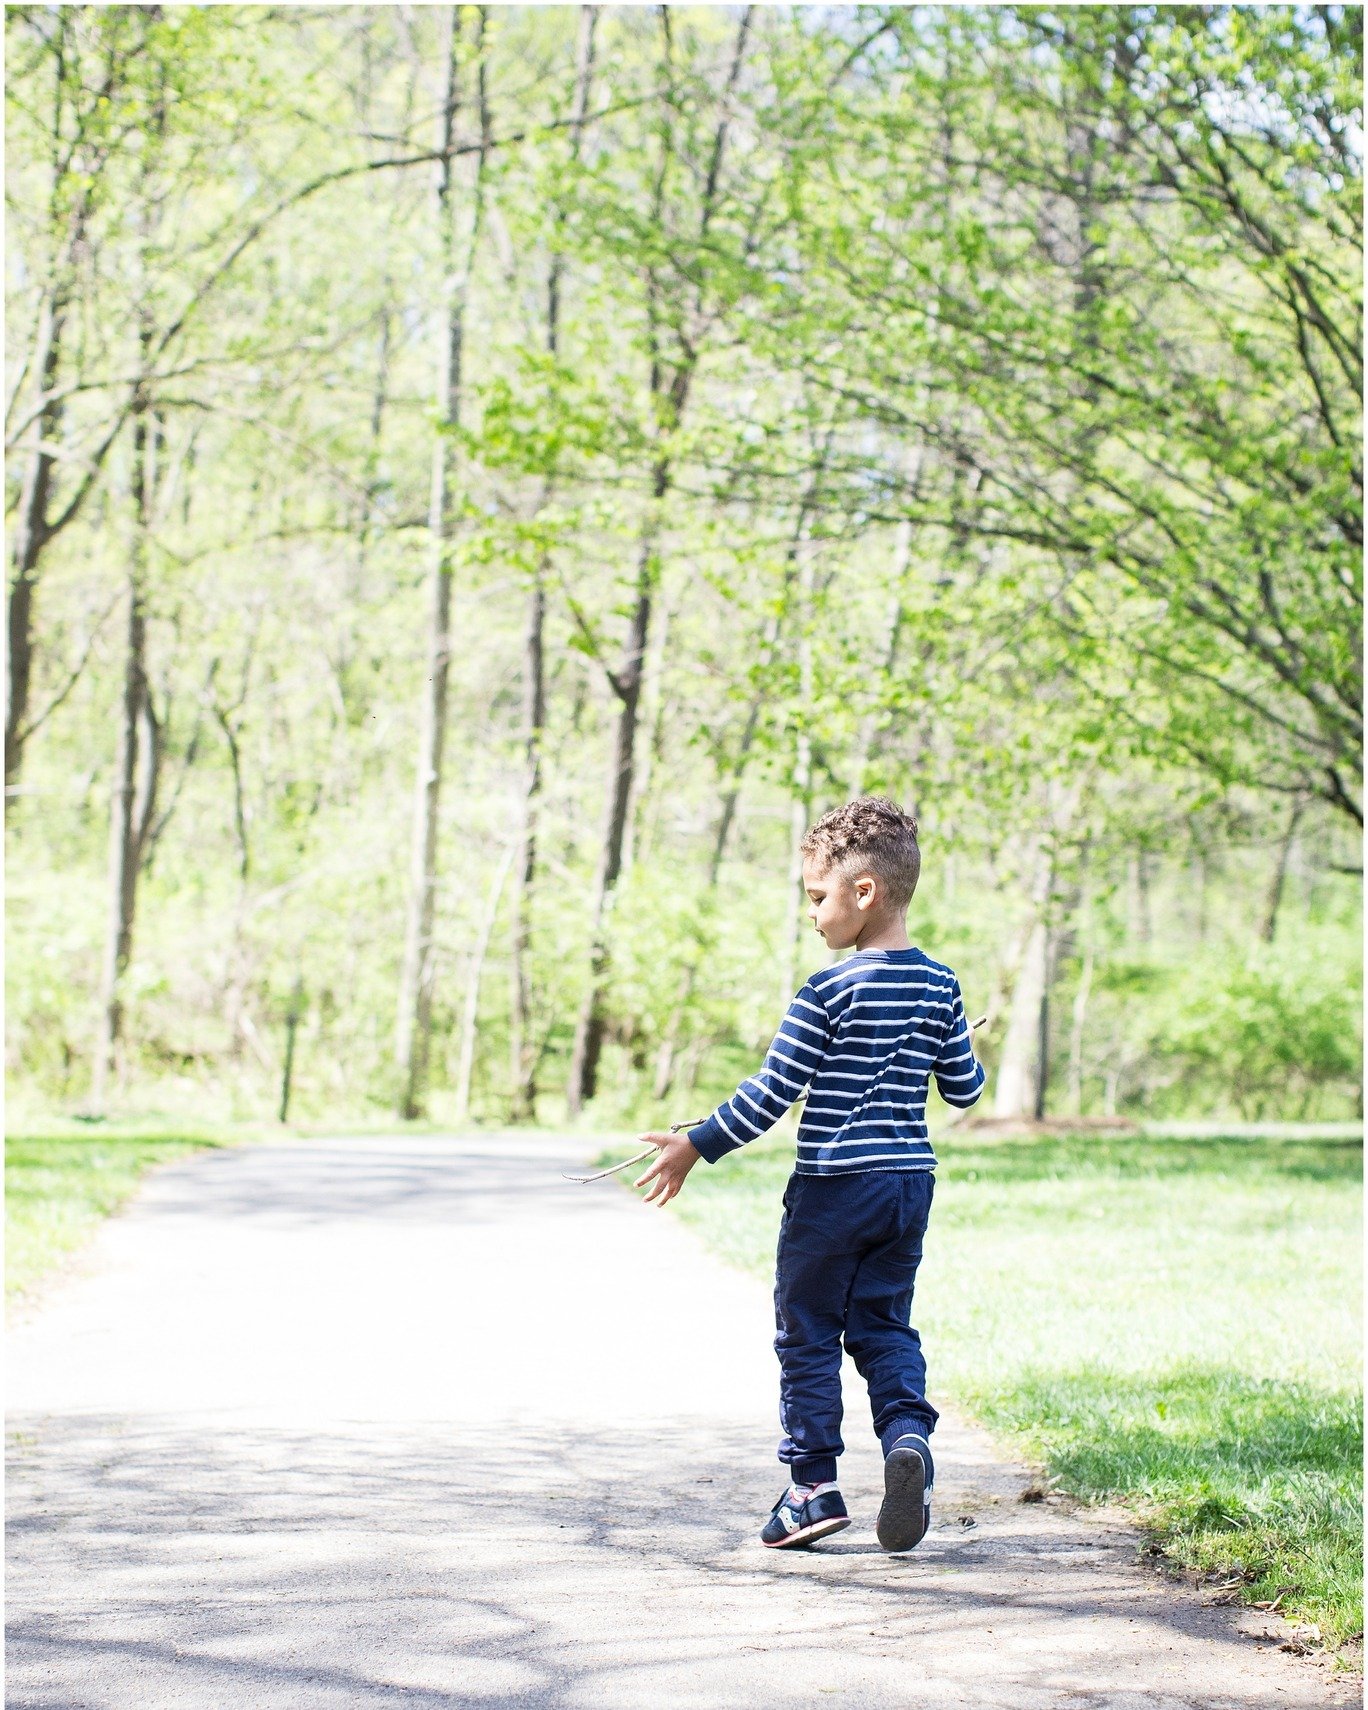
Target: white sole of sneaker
(805, 1534)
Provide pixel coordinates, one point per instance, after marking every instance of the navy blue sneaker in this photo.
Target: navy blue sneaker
(906, 1511)
(796, 1520)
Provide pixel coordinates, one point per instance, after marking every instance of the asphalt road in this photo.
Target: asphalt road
(361, 1424)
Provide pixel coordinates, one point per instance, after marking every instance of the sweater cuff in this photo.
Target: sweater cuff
(712, 1141)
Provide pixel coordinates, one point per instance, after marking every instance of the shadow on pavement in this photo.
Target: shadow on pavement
(367, 1568)
(424, 1181)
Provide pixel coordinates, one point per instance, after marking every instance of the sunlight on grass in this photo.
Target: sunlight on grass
(62, 1179)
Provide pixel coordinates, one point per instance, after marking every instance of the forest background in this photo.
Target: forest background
(481, 480)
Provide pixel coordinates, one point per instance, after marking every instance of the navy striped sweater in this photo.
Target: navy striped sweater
(863, 1039)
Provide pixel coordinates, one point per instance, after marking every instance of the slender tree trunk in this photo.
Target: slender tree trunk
(471, 1011)
(523, 1059)
(584, 76)
(869, 724)
(30, 535)
(292, 1018)
(731, 795)
(668, 1055)
(1080, 1006)
(1198, 871)
(134, 795)
(769, 652)
(902, 561)
(418, 969)
(590, 1026)
(800, 799)
(670, 382)
(1268, 927)
(133, 803)
(1042, 1062)
(1137, 897)
(653, 713)
(1022, 1091)
(1019, 1090)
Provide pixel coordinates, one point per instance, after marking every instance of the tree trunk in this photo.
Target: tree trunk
(800, 799)
(69, 211)
(589, 1027)
(902, 561)
(417, 973)
(667, 1057)
(292, 1017)
(1042, 1062)
(769, 650)
(654, 711)
(471, 1012)
(1023, 1066)
(1198, 890)
(30, 536)
(1137, 897)
(523, 1058)
(1268, 928)
(670, 383)
(134, 795)
(869, 724)
(1080, 1016)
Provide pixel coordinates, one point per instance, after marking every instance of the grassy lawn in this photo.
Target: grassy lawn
(1167, 1323)
(61, 1178)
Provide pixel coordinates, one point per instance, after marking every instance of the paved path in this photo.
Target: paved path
(361, 1424)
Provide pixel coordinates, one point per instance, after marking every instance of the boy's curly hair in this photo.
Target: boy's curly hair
(874, 835)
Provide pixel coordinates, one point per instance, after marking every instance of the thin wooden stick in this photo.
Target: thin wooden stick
(627, 1163)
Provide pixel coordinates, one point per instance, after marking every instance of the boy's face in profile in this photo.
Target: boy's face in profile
(840, 907)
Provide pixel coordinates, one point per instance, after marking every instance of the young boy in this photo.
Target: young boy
(863, 1039)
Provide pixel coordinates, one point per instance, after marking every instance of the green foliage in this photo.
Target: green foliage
(1282, 1027)
(61, 1181)
(998, 367)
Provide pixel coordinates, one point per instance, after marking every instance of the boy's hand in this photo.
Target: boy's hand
(676, 1158)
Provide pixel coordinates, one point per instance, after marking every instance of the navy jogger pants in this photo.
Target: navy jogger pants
(849, 1247)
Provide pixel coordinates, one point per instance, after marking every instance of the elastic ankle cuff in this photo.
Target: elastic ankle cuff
(908, 1424)
(813, 1469)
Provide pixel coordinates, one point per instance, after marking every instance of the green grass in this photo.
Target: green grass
(62, 1178)
(1167, 1323)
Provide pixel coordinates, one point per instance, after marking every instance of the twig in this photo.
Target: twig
(627, 1163)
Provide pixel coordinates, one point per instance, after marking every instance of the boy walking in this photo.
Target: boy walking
(863, 1039)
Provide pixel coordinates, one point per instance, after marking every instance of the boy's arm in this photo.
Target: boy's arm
(756, 1105)
(959, 1074)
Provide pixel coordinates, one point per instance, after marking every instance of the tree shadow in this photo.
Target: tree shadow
(421, 1179)
(156, 1562)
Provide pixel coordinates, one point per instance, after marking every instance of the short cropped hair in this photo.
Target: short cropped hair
(873, 835)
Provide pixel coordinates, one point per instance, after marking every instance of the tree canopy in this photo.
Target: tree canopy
(482, 479)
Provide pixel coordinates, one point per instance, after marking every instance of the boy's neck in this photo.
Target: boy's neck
(885, 935)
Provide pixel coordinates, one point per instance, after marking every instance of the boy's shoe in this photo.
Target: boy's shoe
(796, 1520)
(906, 1511)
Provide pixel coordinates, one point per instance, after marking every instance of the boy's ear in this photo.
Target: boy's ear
(865, 890)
